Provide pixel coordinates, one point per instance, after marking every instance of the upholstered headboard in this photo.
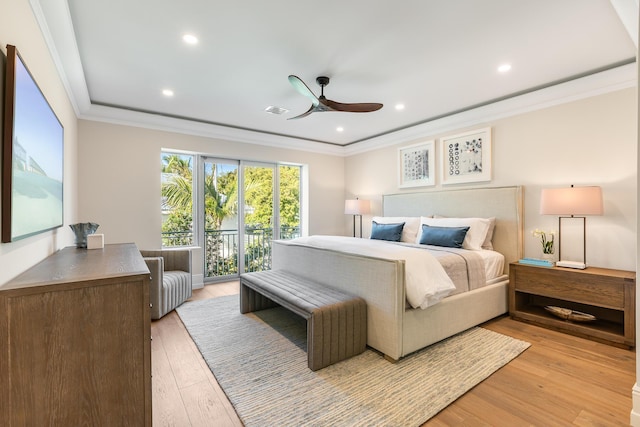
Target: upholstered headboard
(503, 203)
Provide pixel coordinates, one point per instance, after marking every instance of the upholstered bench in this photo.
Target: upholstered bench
(336, 321)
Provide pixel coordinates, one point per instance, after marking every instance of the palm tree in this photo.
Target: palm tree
(176, 164)
(217, 205)
(220, 202)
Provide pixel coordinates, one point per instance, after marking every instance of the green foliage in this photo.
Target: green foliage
(177, 164)
(219, 263)
(220, 197)
(178, 220)
(258, 196)
(177, 192)
(177, 195)
(290, 196)
(177, 229)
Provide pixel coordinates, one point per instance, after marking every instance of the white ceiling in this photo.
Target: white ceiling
(436, 57)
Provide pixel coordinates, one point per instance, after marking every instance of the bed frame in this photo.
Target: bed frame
(397, 331)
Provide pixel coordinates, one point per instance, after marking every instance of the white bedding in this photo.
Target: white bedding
(425, 280)
(493, 263)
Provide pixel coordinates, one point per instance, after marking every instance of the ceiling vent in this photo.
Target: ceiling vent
(275, 110)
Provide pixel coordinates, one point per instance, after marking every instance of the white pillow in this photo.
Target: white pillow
(475, 238)
(410, 229)
(488, 241)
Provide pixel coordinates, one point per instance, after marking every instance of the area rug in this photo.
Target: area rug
(259, 360)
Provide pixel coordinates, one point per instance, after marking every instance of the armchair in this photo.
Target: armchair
(170, 279)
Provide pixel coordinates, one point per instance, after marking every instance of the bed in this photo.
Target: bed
(394, 328)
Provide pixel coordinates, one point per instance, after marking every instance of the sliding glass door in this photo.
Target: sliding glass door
(259, 220)
(220, 217)
(245, 206)
(289, 195)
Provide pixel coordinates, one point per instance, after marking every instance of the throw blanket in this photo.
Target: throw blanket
(426, 281)
(465, 268)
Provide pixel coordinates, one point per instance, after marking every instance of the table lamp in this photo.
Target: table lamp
(572, 202)
(356, 207)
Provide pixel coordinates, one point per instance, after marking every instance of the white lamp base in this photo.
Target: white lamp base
(571, 264)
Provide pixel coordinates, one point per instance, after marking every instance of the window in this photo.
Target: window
(177, 199)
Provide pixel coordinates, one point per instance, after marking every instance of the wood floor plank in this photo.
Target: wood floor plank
(167, 406)
(205, 408)
(587, 377)
(561, 380)
(184, 363)
(216, 290)
(529, 396)
(220, 395)
(589, 419)
(572, 374)
(479, 408)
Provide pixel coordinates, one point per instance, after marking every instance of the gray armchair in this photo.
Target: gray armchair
(170, 279)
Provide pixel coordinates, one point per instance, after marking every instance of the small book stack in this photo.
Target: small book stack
(536, 261)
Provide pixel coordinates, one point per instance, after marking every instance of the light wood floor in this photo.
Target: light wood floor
(559, 381)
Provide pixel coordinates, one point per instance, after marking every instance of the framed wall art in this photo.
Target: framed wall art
(466, 157)
(417, 165)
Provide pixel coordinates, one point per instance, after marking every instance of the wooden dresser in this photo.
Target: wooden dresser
(75, 341)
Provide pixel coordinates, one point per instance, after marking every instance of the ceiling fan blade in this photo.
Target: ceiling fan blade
(323, 104)
(362, 107)
(311, 109)
(299, 85)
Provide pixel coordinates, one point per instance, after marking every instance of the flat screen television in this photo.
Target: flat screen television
(32, 156)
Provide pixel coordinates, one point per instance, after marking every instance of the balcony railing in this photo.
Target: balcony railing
(177, 238)
(221, 248)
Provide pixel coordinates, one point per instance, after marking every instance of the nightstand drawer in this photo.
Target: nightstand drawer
(602, 291)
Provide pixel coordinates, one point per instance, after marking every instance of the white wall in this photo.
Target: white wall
(635, 394)
(18, 27)
(120, 168)
(588, 142)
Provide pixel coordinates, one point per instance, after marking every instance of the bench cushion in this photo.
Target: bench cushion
(336, 321)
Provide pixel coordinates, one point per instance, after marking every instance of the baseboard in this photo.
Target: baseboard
(197, 281)
(634, 418)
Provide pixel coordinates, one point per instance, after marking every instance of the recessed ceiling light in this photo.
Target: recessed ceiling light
(190, 39)
(504, 68)
(275, 110)
(399, 107)
(340, 129)
(167, 92)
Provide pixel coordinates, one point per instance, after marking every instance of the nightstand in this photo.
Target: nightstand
(607, 294)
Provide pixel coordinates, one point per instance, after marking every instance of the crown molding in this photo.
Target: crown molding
(124, 117)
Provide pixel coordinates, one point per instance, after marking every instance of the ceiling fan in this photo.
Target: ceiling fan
(323, 104)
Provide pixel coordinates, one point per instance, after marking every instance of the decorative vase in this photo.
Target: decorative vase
(82, 230)
(549, 257)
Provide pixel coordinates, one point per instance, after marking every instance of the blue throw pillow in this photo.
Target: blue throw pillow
(450, 237)
(391, 232)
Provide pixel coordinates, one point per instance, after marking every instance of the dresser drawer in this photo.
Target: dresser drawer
(597, 290)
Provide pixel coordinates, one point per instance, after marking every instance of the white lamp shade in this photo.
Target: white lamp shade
(571, 201)
(357, 207)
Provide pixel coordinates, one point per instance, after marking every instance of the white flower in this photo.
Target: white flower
(546, 238)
